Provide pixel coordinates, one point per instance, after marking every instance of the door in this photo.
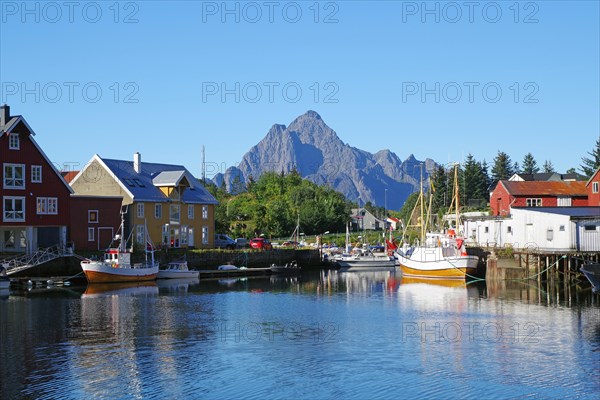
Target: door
(191, 237)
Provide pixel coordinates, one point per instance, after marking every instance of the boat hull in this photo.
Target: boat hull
(166, 274)
(366, 264)
(105, 273)
(443, 268)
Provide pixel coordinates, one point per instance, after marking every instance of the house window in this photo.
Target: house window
(174, 214)
(204, 212)
(14, 209)
(590, 227)
(13, 141)
(564, 201)
(205, 234)
(36, 173)
(15, 238)
(91, 234)
(92, 216)
(533, 202)
(184, 235)
(486, 229)
(140, 210)
(550, 235)
(14, 176)
(47, 205)
(561, 228)
(140, 234)
(191, 211)
(509, 229)
(595, 188)
(158, 211)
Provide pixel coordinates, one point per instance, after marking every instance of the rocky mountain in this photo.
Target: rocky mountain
(318, 154)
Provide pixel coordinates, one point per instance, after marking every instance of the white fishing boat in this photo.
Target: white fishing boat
(437, 255)
(177, 270)
(116, 265)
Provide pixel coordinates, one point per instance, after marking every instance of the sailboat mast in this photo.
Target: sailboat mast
(456, 195)
(422, 199)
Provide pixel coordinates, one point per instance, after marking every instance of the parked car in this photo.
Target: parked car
(224, 242)
(261, 243)
(242, 243)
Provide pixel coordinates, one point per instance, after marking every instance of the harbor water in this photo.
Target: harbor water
(325, 334)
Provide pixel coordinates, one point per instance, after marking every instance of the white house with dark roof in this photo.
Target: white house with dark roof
(176, 209)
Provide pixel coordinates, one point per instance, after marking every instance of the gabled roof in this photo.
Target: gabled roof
(13, 122)
(140, 186)
(545, 188)
(592, 177)
(170, 178)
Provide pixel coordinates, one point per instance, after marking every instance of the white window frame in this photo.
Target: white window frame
(140, 234)
(533, 202)
(190, 211)
(14, 142)
(36, 174)
(140, 210)
(91, 234)
(12, 178)
(183, 238)
(205, 234)
(204, 212)
(92, 212)
(158, 211)
(595, 187)
(47, 206)
(14, 213)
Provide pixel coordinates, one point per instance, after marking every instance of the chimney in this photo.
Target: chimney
(137, 162)
(4, 115)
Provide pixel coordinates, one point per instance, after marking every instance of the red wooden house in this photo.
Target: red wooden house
(95, 221)
(509, 194)
(35, 197)
(593, 189)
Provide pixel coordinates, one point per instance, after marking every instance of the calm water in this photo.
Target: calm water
(323, 335)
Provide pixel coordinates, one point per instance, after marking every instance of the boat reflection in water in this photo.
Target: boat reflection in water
(368, 281)
(180, 285)
(148, 288)
(436, 294)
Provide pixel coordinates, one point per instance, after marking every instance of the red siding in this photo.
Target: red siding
(594, 198)
(500, 200)
(52, 185)
(106, 227)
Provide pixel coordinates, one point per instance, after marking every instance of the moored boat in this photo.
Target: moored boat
(287, 269)
(177, 270)
(365, 261)
(437, 255)
(592, 273)
(116, 265)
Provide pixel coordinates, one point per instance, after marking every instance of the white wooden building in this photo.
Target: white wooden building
(542, 228)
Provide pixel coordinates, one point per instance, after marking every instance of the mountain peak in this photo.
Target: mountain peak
(311, 114)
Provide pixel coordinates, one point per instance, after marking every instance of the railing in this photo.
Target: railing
(21, 263)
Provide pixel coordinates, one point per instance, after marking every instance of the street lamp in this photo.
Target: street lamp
(321, 244)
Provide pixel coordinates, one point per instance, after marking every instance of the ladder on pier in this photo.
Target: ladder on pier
(22, 263)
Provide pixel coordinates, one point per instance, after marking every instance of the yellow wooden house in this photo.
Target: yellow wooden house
(164, 199)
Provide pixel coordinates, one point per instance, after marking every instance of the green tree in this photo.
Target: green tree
(529, 165)
(590, 165)
(503, 167)
(439, 180)
(548, 167)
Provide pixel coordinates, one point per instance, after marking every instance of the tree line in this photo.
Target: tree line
(273, 204)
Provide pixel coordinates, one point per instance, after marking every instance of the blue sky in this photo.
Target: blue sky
(423, 78)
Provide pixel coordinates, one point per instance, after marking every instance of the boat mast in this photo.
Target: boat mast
(422, 200)
(457, 196)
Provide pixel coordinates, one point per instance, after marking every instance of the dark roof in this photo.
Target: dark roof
(141, 185)
(69, 175)
(570, 211)
(545, 188)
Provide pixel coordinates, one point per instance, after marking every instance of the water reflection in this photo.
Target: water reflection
(300, 336)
